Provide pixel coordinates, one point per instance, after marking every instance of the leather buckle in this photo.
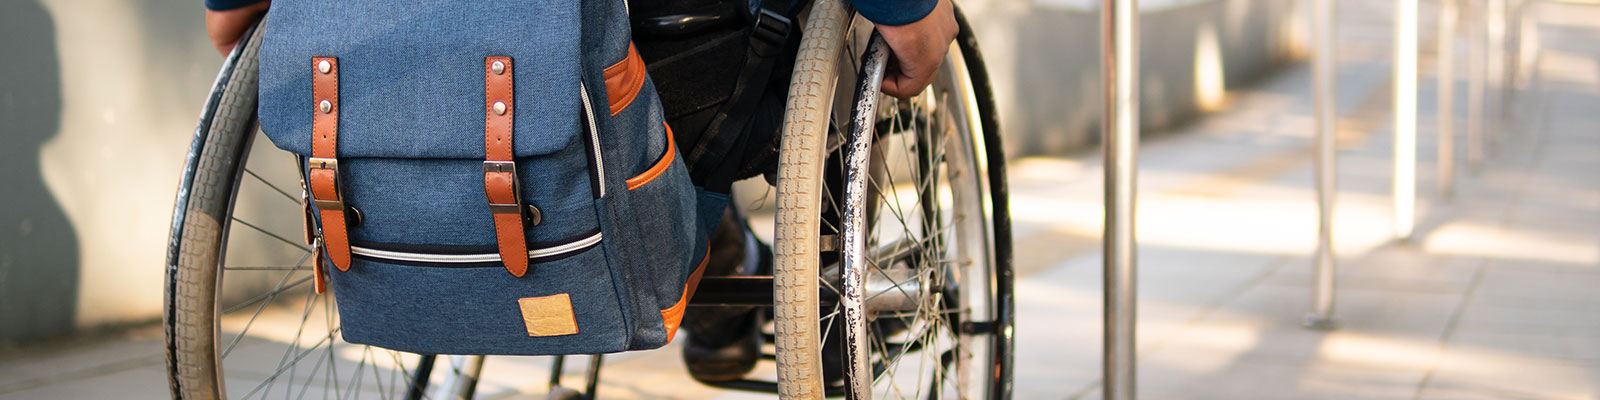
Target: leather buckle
(515, 207)
(338, 185)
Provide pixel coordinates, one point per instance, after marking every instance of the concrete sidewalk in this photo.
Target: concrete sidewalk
(1494, 297)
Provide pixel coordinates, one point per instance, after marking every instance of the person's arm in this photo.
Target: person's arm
(919, 33)
(226, 20)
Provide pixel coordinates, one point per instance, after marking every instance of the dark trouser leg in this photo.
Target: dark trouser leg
(724, 343)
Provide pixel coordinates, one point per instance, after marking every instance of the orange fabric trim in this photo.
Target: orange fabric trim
(671, 317)
(661, 165)
(624, 80)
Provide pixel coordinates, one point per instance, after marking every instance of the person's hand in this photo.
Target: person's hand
(917, 50)
(226, 27)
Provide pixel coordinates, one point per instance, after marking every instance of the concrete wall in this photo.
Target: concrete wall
(98, 101)
(1044, 60)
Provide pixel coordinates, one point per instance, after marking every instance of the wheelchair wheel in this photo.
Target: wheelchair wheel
(898, 209)
(241, 318)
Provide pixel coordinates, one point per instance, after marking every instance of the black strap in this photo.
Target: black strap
(766, 44)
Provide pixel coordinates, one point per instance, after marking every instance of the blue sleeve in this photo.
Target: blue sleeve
(224, 5)
(893, 12)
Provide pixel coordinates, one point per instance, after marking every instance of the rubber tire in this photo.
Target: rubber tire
(799, 197)
(200, 225)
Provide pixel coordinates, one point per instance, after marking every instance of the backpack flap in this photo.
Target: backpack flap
(417, 100)
(411, 79)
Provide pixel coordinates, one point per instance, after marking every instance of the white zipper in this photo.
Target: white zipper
(581, 244)
(594, 139)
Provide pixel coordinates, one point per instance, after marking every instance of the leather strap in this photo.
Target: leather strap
(499, 168)
(704, 158)
(624, 80)
(324, 165)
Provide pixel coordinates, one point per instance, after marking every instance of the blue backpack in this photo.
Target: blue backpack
(485, 177)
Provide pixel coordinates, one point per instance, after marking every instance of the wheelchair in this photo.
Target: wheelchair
(892, 248)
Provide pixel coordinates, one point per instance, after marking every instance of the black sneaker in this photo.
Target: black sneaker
(726, 351)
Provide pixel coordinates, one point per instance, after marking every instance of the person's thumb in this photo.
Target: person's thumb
(893, 85)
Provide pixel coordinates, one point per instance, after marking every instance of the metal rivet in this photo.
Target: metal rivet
(325, 106)
(324, 66)
(499, 108)
(498, 67)
(533, 217)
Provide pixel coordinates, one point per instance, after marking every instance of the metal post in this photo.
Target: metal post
(461, 380)
(1497, 46)
(1119, 44)
(592, 379)
(1405, 118)
(1446, 82)
(1509, 38)
(1476, 71)
(1529, 54)
(1322, 91)
(1527, 45)
(1512, 47)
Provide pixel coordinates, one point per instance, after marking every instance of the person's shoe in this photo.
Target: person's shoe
(728, 355)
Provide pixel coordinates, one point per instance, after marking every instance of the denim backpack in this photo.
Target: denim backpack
(485, 177)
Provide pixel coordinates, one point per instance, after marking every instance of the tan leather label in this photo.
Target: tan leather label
(548, 315)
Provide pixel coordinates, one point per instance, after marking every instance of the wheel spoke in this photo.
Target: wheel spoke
(282, 368)
(366, 352)
(333, 367)
(300, 246)
(892, 204)
(314, 369)
(405, 373)
(827, 323)
(305, 315)
(270, 185)
(268, 268)
(265, 299)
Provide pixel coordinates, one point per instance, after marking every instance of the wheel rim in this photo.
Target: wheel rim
(260, 331)
(925, 192)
